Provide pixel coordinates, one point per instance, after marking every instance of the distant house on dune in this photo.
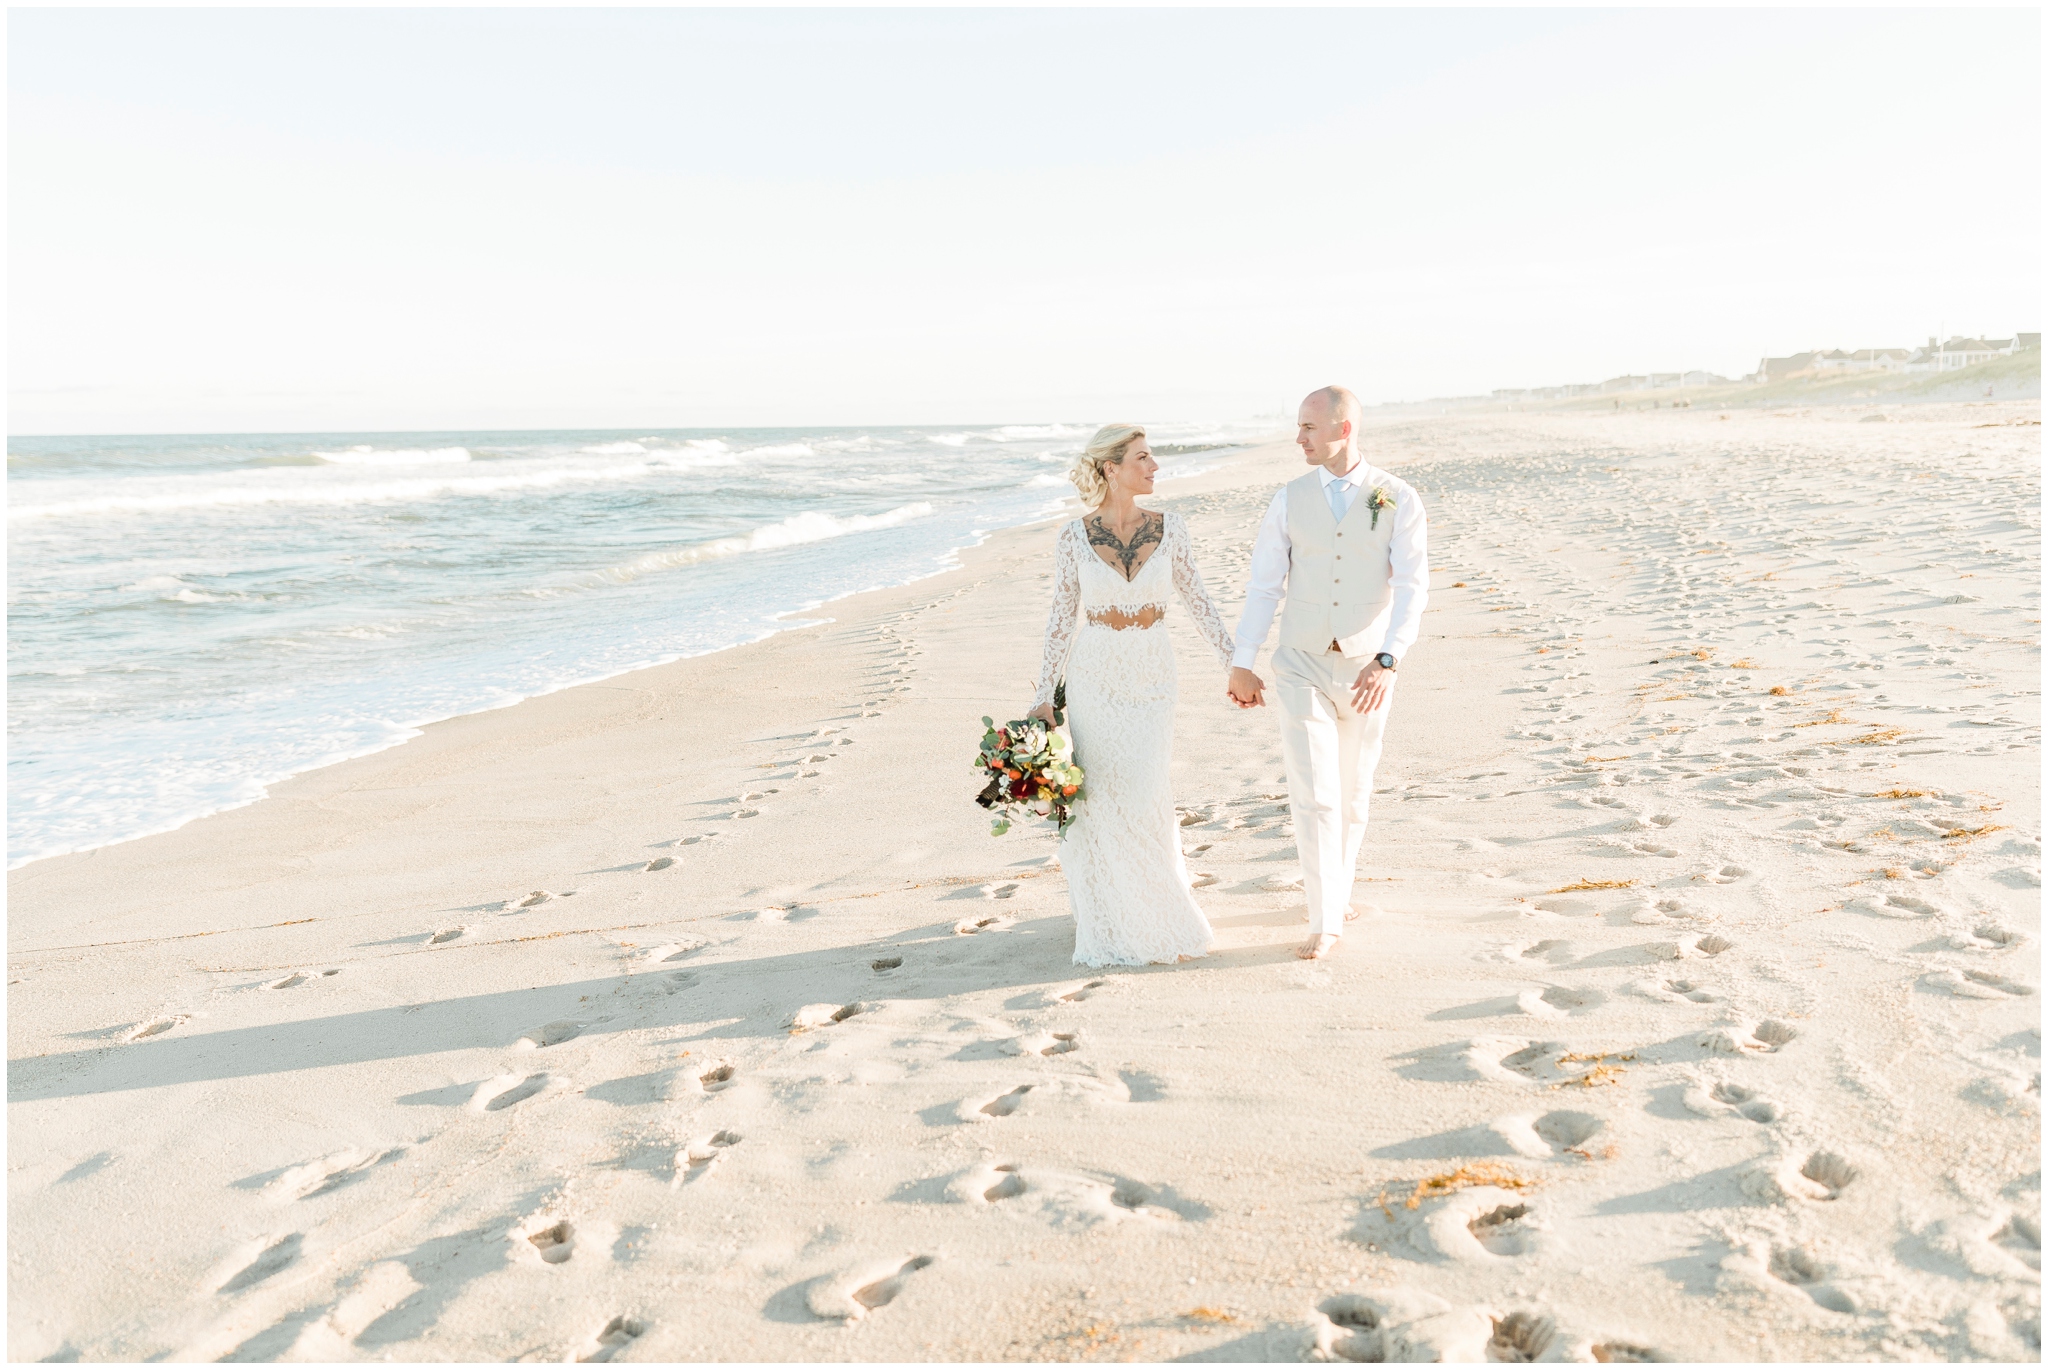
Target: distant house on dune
(1869, 359)
(1778, 368)
(1957, 353)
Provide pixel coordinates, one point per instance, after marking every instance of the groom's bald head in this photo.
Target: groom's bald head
(1329, 419)
(1336, 402)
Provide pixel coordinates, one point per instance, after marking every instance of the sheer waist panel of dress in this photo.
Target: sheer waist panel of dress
(1144, 616)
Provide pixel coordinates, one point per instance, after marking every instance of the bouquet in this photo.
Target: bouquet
(1029, 767)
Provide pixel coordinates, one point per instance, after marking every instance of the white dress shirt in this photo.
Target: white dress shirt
(1408, 572)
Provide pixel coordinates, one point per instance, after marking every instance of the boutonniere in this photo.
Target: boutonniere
(1379, 500)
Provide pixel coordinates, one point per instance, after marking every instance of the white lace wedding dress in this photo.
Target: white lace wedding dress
(1126, 877)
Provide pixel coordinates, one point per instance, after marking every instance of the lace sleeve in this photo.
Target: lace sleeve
(1188, 580)
(1065, 618)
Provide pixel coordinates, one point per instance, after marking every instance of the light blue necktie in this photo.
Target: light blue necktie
(1339, 491)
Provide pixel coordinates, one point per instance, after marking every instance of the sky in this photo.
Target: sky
(249, 220)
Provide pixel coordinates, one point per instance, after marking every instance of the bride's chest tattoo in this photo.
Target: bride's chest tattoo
(1127, 556)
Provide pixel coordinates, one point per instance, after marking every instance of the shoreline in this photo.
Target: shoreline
(412, 731)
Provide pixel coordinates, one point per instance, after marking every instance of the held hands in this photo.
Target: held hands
(1369, 691)
(1245, 689)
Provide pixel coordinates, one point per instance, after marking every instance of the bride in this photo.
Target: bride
(1125, 873)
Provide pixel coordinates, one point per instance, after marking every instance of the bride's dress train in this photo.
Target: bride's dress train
(1126, 877)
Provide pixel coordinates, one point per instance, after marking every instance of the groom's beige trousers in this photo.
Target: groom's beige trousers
(1331, 750)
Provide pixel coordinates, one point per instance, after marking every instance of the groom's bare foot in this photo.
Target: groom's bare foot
(1317, 947)
(1351, 914)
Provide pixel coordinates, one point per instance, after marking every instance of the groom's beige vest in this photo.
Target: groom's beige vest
(1337, 573)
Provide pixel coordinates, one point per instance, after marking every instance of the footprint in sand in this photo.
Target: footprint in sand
(1203, 879)
(967, 927)
(1043, 1044)
(1773, 1034)
(1903, 906)
(861, 1291)
(154, 1027)
(268, 1261)
(1009, 1187)
(747, 813)
(554, 1242)
(1800, 1268)
(1508, 1230)
(1977, 984)
(534, 900)
(1744, 1100)
(659, 863)
(1355, 1333)
(1997, 982)
(879, 1293)
(1988, 937)
(1822, 1176)
(551, 1034)
(508, 1091)
(1726, 875)
(1080, 992)
(292, 981)
(1003, 1105)
(617, 1335)
(695, 1161)
(2021, 1236)
(1567, 1132)
(884, 964)
(445, 936)
(824, 1015)
(1520, 1338)
(325, 1175)
(1557, 1001)
(693, 840)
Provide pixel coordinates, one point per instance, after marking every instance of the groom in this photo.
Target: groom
(1347, 540)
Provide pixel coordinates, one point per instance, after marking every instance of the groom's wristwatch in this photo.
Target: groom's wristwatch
(1385, 660)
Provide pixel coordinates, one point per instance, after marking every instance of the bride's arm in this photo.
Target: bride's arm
(1188, 580)
(1065, 619)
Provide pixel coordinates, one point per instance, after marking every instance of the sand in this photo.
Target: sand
(696, 1015)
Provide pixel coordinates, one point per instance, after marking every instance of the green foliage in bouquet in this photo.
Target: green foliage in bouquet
(1029, 766)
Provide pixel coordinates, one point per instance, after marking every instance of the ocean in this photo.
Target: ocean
(192, 619)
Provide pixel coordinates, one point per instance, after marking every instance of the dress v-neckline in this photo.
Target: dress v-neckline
(1111, 566)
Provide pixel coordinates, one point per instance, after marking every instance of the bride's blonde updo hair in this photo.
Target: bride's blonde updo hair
(1106, 448)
